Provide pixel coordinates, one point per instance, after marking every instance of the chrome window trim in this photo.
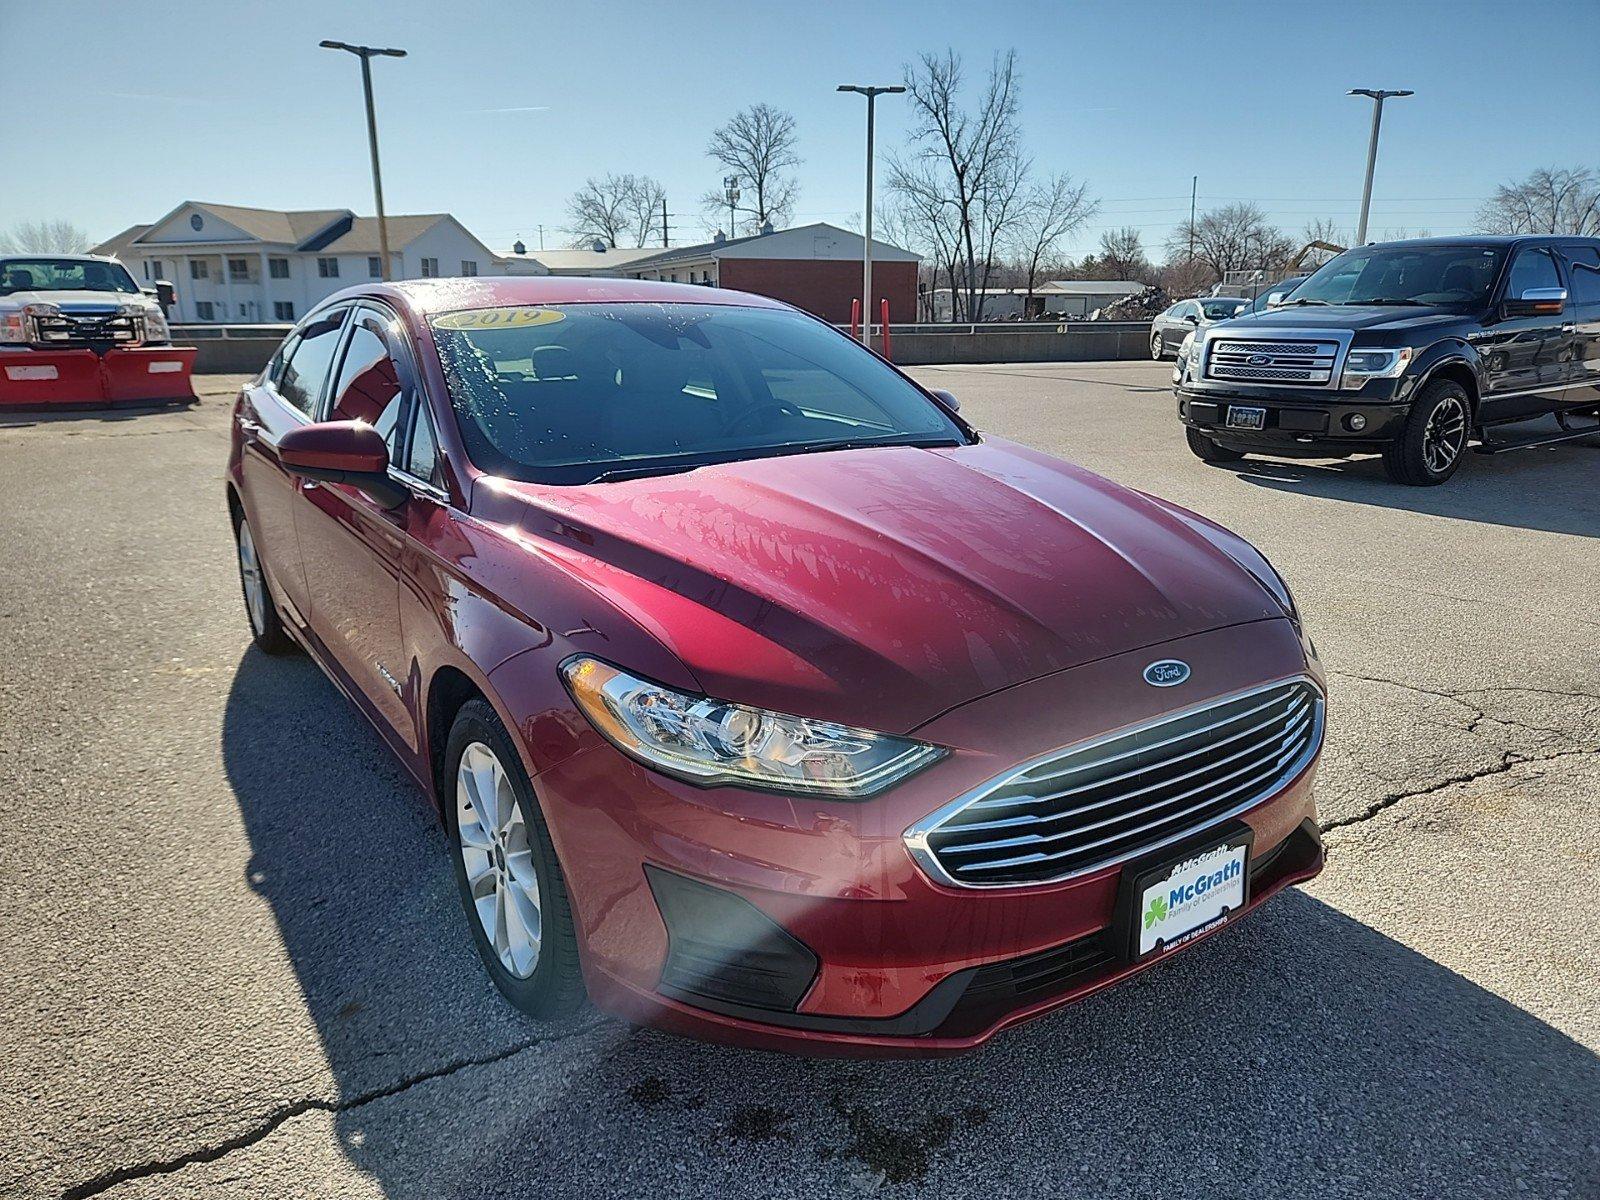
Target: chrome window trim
(916, 836)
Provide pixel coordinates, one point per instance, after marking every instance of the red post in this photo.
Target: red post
(886, 352)
(855, 319)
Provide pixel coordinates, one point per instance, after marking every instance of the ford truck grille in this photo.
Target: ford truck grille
(87, 328)
(1307, 363)
(1117, 798)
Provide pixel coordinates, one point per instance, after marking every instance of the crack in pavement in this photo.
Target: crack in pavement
(278, 1117)
(1508, 758)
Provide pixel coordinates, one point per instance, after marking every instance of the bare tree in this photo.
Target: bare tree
(757, 145)
(1050, 211)
(616, 209)
(44, 237)
(968, 161)
(1122, 254)
(1550, 200)
(1236, 237)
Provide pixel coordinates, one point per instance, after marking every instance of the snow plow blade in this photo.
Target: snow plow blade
(85, 379)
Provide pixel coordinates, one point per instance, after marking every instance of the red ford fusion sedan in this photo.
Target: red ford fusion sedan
(761, 697)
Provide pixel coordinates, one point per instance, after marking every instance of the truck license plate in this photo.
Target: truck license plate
(1246, 418)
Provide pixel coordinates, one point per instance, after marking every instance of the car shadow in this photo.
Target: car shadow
(1550, 488)
(1302, 1053)
(26, 418)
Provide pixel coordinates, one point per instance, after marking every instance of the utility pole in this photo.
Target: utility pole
(541, 237)
(664, 221)
(872, 94)
(1378, 96)
(730, 189)
(366, 54)
(1194, 192)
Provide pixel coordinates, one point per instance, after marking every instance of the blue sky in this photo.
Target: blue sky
(121, 110)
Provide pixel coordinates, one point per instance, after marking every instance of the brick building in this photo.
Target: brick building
(814, 267)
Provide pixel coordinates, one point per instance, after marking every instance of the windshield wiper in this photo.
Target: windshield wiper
(612, 474)
(1388, 302)
(1302, 300)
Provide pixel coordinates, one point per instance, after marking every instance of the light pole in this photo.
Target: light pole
(1378, 96)
(365, 54)
(872, 94)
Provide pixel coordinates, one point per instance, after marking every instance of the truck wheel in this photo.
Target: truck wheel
(1434, 440)
(1204, 448)
(1157, 349)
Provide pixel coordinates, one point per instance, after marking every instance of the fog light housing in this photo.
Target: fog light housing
(723, 950)
(1355, 422)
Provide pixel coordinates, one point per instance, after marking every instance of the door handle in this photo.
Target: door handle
(249, 428)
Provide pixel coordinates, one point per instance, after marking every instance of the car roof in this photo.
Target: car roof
(428, 296)
(1488, 239)
(36, 256)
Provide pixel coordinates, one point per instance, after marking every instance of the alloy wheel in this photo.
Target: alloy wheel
(498, 855)
(1445, 435)
(255, 587)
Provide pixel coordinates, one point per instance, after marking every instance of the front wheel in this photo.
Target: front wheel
(1158, 349)
(1207, 450)
(1434, 439)
(506, 870)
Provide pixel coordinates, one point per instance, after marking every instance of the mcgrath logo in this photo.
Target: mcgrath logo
(1169, 672)
(1157, 912)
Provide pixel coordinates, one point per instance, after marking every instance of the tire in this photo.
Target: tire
(1434, 439)
(266, 626)
(1158, 347)
(506, 870)
(1207, 450)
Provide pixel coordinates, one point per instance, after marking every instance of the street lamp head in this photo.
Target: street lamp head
(1380, 93)
(362, 51)
(870, 91)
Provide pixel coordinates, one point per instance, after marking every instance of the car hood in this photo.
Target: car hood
(882, 587)
(1340, 316)
(76, 300)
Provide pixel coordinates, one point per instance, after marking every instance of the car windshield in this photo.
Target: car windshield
(64, 275)
(580, 393)
(1456, 277)
(1217, 310)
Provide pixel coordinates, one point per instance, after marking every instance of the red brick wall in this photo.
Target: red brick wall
(824, 287)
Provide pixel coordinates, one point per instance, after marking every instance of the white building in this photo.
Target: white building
(248, 265)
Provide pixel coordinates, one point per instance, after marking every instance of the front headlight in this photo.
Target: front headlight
(155, 326)
(711, 742)
(1362, 365)
(17, 324)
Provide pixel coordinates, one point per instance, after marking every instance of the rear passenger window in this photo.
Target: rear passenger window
(309, 362)
(1584, 262)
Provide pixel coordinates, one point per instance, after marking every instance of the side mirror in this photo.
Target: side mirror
(1537, 302)
(349, 452)
(1191, 319)
(166, 294)
(947, 399)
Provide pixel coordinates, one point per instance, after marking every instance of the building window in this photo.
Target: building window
(278, 268)
(203, 310)
(328, 268)
(430, 268)
(199, 268)
(156, 269)
(674, 277)
(239, 269)
(282, 310)
(374, 267)
(468, 267)
(244, 311)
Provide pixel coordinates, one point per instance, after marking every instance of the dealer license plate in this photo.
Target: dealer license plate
(1177, 903)
(1246, 418)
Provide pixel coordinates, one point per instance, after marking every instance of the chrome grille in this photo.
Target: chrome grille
(1117, 798)
(1307, 362)
(87, 327)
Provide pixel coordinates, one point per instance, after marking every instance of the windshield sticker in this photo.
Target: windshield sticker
(499, 318)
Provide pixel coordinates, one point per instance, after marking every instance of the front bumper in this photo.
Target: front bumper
(895, 962)
(1299, 420)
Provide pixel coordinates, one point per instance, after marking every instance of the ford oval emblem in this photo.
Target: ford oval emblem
(1259, 360)
(1169, 672)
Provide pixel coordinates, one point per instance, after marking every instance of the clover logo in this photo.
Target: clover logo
(1156, 912)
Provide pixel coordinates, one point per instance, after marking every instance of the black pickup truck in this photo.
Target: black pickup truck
(1411, 349)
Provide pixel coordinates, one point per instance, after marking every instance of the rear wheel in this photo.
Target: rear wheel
(506, 870)
(266, 627)
(1207, 450)
(1434, 440)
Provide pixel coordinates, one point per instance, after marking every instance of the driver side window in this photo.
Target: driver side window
(1534, 268)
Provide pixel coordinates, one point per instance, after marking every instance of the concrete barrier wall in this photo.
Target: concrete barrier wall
(244, 349)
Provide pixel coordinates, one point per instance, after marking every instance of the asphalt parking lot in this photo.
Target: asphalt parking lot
(234, 962)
